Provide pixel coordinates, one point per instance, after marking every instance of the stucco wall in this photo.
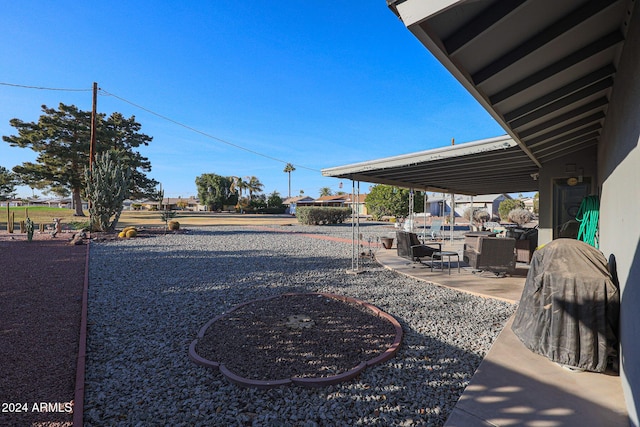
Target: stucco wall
(619, 172)
(556, 169)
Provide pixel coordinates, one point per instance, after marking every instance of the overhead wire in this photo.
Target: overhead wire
(45, 88)
(192, 129)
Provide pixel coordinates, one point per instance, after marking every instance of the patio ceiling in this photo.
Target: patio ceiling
(495, 165)
(544, 69)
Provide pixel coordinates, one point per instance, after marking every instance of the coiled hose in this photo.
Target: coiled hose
(587, 216)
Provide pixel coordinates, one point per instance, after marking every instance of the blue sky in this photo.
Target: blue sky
(315, 83)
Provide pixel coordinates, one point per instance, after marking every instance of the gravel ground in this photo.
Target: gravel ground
(148, 298)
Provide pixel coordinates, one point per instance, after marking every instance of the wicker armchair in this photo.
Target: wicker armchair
(409, 246)
(493, 254)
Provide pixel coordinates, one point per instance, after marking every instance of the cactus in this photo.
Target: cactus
(128, 232)
(11, 218)
(29, 228)
(167, 215)
(107, 185)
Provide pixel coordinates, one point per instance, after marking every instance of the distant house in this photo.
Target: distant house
(528, 203)
(173, 203)
(358, 205)
(441, 206)
(488, 202)
(334, 201)
(293, 202)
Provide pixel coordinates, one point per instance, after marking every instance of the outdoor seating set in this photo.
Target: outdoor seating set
(483, 251)
(410, 247)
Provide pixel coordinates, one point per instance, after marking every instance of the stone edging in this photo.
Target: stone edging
(306, 381)
(78, 401)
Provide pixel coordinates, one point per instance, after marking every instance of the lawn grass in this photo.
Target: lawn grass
(44, 215)
(195, 219)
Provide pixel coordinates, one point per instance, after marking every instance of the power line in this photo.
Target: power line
(45, 88)
(105, 93)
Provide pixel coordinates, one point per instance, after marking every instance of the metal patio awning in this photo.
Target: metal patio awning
(495, 165)
(544, 69)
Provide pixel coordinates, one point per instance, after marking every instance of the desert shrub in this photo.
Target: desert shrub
(308, 215)
(507, 206)
(520, 216)
(173, 225)
(478, 216)
(269, 210)
(131, 233)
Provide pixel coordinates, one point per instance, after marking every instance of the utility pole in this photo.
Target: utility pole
(92, 149)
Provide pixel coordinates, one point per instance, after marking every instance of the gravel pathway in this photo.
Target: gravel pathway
(148, 297)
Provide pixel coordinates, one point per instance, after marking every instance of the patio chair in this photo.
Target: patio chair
(409, 247)
(494, 254)
(436, 230)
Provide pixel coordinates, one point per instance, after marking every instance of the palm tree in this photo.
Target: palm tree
(253, 186)
(325, 191)
(288, 169)
(237, 187)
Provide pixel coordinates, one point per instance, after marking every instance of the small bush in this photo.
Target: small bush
(321, 215)
(520, 216)
(271, 210)
(478, 216)
(507, 206)
(131, 233)
(174, 225)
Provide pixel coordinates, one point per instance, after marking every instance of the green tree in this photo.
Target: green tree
(325, 191)
(61, 137)
(8, 183)
(214, 191)
(123, 134)
(274, 200)
(536, 203)
(288, 169)
(385, 200)
(107, 186)
(253, 186)
(238, 185)
(507, 206)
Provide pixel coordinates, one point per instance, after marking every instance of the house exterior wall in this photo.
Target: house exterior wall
(619, 172)
(557, 169)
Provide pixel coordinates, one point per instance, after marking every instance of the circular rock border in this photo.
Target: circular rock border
(300, 381)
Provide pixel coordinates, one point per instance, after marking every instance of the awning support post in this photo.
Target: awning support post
(355, 229)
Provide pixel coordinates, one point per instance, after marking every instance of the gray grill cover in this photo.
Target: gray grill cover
(569, 306)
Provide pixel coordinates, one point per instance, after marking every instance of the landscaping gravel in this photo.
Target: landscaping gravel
(148, 297)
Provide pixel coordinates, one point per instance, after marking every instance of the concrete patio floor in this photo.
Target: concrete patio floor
(514, 386)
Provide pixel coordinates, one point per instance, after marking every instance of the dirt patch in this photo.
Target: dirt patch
(41, 293)
(296, 336)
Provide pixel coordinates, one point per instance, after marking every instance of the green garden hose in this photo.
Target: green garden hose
(588, 218)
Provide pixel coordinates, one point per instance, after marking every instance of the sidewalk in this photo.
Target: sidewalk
(514, 386)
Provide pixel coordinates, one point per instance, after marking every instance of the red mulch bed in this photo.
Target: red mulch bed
(41, 284)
